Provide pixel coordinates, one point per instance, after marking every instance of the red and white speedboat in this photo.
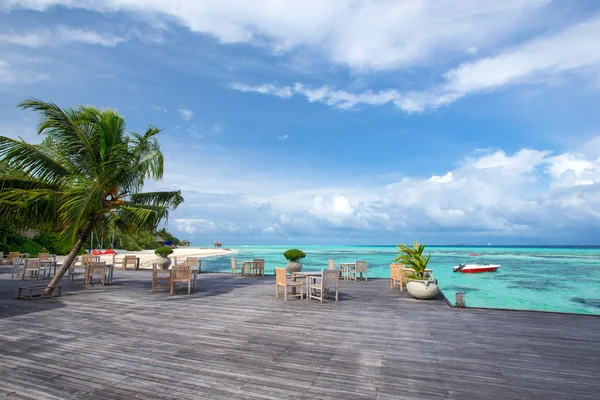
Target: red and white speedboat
(475, 267)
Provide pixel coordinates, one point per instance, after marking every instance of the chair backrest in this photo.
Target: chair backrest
(259, 263)
(181, 273)
(191, 262)
(154, 270)
(361, 266)
(233, 263)
(395, 271)
(17, 261)
(86, 259)
(97, 268)
(129, 261)
(13, 254)
(280, 276)
(32, 264)
(330, 264)
(329, 278)
(44, 256)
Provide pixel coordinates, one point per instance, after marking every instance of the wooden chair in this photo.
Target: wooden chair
(12, 255)
(281, 280)
(361, 266)
(98, 269)
(159, 281)
(234, 267)
(331, 266)
(323, 286)
(129, 262)
(73, 272)
(257, 267)
(396, 276)
(181, 274)
(33, 267)
(87, 258)
(193, 262)
(44, 257)
(18, 266)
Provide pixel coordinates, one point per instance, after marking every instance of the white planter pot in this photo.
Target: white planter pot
(163, 262)
(293, 266)
(422, 290)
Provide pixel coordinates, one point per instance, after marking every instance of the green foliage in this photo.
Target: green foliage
(87, 172)
(294, 255)
(413, 258)
(167, 236)
(163, 251)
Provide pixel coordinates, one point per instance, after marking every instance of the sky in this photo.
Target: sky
(336, 122)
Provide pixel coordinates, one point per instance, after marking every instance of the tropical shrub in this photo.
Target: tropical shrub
(413, 258)
(294, 255)
(163, 251)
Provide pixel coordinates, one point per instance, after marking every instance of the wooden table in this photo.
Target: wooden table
(51, 265)
(308, 276)
(246, 267)
(346, 267)
(109, 272)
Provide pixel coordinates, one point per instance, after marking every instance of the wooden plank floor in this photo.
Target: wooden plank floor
(233, 340)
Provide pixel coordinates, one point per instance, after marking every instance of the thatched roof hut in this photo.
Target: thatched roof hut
(217, 244)
(186, 243)
(159, 240)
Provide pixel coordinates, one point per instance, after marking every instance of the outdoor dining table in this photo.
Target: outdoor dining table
(346, 269)
(109, 272)
(246, 267)
(305, 275)
(51, 268)
(193, 271)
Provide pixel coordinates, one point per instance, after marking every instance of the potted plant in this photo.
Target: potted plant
(293, 256)
(419, 285)
(163, 252)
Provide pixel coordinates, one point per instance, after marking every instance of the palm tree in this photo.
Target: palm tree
(87, 171)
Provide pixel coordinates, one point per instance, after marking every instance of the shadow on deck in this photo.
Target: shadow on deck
(232, 339)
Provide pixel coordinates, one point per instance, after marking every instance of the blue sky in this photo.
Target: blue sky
(339, 122)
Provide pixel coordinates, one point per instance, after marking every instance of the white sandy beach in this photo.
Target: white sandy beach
(147, 257)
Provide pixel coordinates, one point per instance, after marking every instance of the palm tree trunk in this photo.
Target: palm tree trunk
(83, 236)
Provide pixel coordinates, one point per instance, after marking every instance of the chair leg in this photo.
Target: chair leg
(276, 291)
(172, 287)
(285, 293)
(189, 286)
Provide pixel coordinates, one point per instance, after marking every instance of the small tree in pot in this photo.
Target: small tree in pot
(413, 257)
(163, 252)
(293, 256)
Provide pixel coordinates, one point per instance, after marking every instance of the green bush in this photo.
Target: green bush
(294, 255)
(163, 251)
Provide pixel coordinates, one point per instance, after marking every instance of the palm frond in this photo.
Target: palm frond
(163, 199)
(34, 160)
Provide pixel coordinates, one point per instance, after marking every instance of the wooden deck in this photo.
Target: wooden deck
(233, 340)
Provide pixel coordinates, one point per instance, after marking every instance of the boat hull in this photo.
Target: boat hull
(475, 268)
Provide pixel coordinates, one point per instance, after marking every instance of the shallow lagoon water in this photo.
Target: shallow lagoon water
(561, 279)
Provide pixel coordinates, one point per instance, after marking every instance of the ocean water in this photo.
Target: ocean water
(560, 279)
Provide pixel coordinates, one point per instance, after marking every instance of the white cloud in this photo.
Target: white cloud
(283, 137)
(15, 75)
(529, 193)
(472, 50)
(361, 34)
(159, 108)
(538, 60)
(185, 113)
(442, 179)
(59, 36)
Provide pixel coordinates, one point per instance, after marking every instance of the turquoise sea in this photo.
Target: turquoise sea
(561, 279)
